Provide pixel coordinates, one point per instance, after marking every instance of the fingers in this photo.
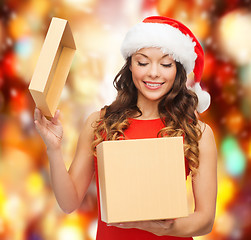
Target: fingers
(124, 225)
(38, 125)
(37, 114)
(39, 117)
(166, 224)
(55, 119)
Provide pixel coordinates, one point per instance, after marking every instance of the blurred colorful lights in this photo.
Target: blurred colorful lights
(233, 157)
(24, 47)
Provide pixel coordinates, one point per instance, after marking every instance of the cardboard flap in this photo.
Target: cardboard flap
(52, 66)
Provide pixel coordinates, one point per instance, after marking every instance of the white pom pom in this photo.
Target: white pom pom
(203, 96)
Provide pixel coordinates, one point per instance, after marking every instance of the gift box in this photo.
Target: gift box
(53, 66)
(142, 179)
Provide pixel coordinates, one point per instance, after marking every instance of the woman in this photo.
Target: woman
(152, 101)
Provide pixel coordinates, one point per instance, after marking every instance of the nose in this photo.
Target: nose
(153, 71)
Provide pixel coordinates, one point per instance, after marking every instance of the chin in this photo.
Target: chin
(154, 99)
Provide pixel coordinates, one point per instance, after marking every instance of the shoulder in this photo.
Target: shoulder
(207, 141)
(89, 123)
(206, 130)
(93, 117)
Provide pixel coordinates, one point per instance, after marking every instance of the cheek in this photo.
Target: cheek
(171, 76)
(137, 73)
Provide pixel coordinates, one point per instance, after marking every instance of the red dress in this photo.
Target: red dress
(138, 129)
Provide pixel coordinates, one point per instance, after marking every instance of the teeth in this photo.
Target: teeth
(153, 84)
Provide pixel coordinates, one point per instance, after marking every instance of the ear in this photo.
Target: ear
(130, 66)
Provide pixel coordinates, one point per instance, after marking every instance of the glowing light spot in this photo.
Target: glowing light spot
(14, 211)
(24, 47)
(71, 232)
(226, 193)
(2, 199)
(92, 230)
(225, 224)
(249, 150)
(18, 27)
(77, 1)
(34, 184)
(73, 227)
(233, 156)
(232, 28)
(26, 118)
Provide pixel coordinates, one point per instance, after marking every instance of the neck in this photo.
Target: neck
(148, 108)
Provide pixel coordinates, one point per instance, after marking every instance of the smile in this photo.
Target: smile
(153, 85)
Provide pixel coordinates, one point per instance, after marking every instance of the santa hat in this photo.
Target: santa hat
(175, 39)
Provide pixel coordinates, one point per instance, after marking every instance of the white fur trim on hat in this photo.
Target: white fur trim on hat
(203, 97)
(169, 39)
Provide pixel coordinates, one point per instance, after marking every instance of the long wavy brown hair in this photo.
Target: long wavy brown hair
(176, 109)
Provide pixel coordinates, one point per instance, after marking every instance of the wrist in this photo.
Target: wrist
(53, 149)
(54, 156)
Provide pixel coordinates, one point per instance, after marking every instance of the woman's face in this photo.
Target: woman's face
(153, 73)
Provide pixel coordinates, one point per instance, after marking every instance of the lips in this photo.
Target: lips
(153, 85)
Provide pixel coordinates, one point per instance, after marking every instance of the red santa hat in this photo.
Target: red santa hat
(175, 39)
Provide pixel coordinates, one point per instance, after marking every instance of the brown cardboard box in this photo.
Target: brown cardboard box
(53, 66)
(142, 179)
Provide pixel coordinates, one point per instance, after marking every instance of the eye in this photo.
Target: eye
(142, 64)
(167, 65)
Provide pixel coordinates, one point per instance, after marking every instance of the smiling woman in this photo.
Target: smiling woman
(153, 73)
(152, 101)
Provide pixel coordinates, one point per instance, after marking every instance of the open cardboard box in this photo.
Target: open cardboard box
(142, 179)
(53, 66)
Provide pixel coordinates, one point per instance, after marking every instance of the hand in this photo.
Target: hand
(157, 227)
(51, 131)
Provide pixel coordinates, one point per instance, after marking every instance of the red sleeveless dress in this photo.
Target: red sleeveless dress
(138, 129)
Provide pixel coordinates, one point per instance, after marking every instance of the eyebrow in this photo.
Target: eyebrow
(148, 57)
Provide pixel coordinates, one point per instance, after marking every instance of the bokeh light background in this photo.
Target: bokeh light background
(28, 209)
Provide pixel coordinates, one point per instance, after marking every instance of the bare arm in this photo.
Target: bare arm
(204, 190)
(70, 186)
